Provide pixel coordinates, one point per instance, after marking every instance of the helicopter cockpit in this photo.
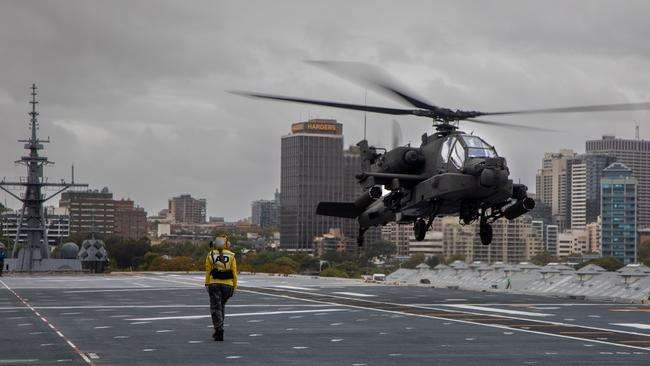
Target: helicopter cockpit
(457, 149)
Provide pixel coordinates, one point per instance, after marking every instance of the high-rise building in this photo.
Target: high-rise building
(91, 211)
(572, 242)
(513, 241)
(619, 213)
(583, 188)
(400, 235)
(551, 184)
(311, 171)
(130, 220)
(185, 209)
(593, 237)
(551, 239)
(578, 199)
(315, 168)
(264, 213)
(635, 154)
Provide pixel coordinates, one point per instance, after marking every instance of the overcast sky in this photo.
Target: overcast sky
(133, 92)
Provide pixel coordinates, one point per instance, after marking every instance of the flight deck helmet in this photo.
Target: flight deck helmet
(219, 243)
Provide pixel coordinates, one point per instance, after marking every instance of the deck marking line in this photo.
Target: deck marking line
(260, 291)
(75, 348)
(235, 314)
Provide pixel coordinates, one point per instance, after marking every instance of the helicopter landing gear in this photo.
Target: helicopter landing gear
(420, 229)
(485, 231)
(360, 238)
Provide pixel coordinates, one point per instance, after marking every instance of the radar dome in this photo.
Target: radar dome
(69, 250)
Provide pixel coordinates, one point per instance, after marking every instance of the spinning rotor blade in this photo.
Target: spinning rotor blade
(509, 125)
(590, 108)
(375, 78)
(357, 107)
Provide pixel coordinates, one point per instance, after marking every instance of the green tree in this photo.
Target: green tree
(127, 253)
(542, 259)
(414, 260)
(380, 249)
(644, 253)
(434, 261)
(333, 272)
(8, 242)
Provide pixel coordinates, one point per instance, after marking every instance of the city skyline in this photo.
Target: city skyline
(150, 102)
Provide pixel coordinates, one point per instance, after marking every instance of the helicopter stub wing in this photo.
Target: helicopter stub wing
(338, 209)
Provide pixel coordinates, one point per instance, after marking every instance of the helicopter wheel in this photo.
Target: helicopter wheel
(420, 229)
(485, 232)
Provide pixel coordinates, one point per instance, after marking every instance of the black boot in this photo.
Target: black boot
(218, 335)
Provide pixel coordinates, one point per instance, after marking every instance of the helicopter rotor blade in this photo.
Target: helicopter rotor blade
(375, 78)
(509, 125)
(590, 108)
(356, 107)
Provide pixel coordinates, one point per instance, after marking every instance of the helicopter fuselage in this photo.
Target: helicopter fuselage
(451, 173)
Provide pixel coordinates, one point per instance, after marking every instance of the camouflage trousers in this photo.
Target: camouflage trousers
(219, 295)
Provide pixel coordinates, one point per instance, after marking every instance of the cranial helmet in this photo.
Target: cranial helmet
(220, 242)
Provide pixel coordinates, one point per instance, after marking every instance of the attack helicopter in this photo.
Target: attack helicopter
(451, 173)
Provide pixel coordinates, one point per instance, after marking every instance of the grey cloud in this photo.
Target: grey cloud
(133, 92)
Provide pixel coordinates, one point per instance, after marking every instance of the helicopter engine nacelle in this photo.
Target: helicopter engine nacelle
(401, 160)
(376, 214)
(491, 171)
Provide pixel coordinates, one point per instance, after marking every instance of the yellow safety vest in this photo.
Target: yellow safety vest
(221, 262)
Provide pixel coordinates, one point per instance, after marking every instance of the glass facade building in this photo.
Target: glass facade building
(619, 213)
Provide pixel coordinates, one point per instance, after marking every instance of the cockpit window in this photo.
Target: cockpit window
(457, 156)
(477, 148)
(446, 148)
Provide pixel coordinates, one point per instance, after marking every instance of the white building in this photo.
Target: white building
(578, 196)
(431, 246)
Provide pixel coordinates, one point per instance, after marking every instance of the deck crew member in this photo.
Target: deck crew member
(220, 281)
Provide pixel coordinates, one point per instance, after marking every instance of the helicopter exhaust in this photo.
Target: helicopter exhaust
(519, 208)
(368, 197)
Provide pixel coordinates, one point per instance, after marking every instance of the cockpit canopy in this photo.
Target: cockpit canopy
(458, 148)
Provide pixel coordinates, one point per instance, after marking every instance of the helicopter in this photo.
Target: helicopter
(451, 173)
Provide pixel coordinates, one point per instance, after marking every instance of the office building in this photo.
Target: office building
(265, 213)
(572, 242)
(185, 209)
(91, 211)
(551, 184)
(583, 188)
(619, 213)
(593, 237)
(311, 172)
(400, 235)
(130, 220)
(551, 239)
(513, 241)
(315, 168)
(635, 154)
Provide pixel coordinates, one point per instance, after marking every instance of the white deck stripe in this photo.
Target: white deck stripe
(357, 294)
(496, 310)
(633, 325)
(296, 288)
(237, 314)
(466, 321)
